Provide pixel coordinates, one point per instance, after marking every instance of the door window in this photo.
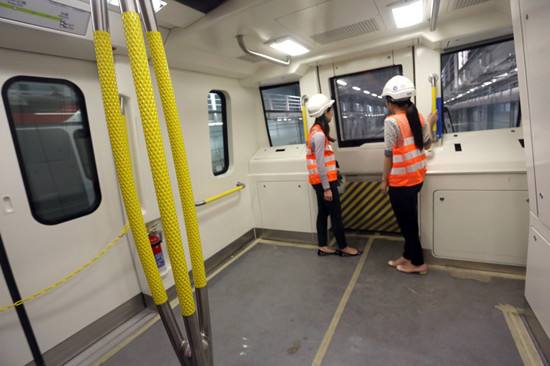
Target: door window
(50, 132)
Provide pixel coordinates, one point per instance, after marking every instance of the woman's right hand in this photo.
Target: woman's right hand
(384, 187)
(328, 195)
(432, 118)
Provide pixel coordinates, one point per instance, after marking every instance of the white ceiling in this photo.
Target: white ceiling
(330, 28)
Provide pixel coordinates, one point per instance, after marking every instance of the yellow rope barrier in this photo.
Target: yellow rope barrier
(120, 235)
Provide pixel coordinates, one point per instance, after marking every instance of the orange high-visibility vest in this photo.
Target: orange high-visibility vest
(408, 162)
(330, 161)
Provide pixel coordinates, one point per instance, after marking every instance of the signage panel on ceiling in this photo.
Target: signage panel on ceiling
(47, 14)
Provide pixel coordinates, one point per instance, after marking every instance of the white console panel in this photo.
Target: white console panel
(284, 199)
(486, 226)
(474, 204)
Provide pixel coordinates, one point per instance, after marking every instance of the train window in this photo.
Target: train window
(360, 110)
(217, 123)
(51, 135)
(480, 88)
(283, 114)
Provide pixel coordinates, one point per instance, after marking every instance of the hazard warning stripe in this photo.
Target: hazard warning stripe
(365, 208)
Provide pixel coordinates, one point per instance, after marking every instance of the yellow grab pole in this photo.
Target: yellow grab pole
(213, 198)
(304, 101)
(157, 158)
(116, 125)
(159, 168)
(119, 146)
(166, 90)
(180, 158)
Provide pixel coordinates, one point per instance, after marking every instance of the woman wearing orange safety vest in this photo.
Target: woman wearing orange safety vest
(321, 166)
(406, 136)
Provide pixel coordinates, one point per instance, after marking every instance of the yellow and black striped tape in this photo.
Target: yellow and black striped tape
(365, 208)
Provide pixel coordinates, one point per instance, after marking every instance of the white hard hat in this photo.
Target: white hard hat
(399, 88)
(318, 104)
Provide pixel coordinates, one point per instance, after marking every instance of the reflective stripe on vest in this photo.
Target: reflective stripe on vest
(329, 159)
(408, 162)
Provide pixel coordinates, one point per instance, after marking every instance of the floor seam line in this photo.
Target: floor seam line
(340, 309)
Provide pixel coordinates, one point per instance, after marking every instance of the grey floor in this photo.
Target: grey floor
(282, 305)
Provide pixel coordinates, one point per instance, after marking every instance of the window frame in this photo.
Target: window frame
(262, 88)
(334, 95)
(223, 99)
(18, 150)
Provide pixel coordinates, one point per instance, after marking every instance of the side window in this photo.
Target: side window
(480, 88)
(283, 114)
(49, 128)
(217, 123)
(360, 109)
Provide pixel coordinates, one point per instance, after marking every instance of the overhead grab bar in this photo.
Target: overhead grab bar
(261, 55)
(208, 200)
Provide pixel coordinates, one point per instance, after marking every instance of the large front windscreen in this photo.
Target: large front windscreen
(360, 109)
(480, 88)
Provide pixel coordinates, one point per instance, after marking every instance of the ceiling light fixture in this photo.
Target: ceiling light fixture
(288, 46)
(407, 13)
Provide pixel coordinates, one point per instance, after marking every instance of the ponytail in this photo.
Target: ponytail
(413, 118)
(415, 125)
(323, 123)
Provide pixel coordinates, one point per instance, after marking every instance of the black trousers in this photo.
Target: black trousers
(332, 209)
(404, 201)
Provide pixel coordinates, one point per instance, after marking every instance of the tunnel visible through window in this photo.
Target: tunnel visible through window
(360, 109)
(283, 114)
(50, 131)
(480, 88)
(217, 124)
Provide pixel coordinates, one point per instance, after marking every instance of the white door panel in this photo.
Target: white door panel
(39, 254)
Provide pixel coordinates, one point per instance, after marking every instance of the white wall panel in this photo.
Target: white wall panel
(538, 273)
(535, 15)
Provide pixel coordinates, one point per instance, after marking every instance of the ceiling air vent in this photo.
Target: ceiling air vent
(461, 4)
(348, 31)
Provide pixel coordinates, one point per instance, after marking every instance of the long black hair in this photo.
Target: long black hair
(413, 118)
(323, 123)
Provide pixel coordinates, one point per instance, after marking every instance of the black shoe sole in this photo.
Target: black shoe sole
(320, 253)
(344, 254)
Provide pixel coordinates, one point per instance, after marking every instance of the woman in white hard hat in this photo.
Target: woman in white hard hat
(321, 166)
(406, 135)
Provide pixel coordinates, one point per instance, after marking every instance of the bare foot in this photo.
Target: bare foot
(349, 250)
(399, 261)
(326, 249)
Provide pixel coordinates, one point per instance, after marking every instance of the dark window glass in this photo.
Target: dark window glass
(480, 88)
(283, 114)
(50, 131)
(360, 109)
(217, 124)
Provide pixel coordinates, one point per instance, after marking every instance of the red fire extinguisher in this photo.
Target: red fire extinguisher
(155, 238)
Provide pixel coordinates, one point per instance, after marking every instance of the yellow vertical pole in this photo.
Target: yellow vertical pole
(116, 125)
(304, 101)
(159, 168)
(173, 125)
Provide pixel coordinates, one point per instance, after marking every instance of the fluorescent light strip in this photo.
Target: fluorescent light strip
(289, 46)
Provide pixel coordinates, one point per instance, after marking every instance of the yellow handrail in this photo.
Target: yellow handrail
(208, 200)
